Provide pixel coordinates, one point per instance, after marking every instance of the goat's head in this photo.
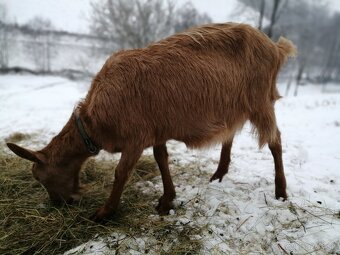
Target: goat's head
(60, 180)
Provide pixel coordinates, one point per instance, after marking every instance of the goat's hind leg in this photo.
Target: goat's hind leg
(280, 179)
(223, 165)
(268, 132)
(165, 202)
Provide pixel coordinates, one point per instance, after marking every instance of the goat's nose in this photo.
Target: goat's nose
(69, 200)
(56, 202)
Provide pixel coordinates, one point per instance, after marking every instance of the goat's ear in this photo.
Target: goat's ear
(26, 154)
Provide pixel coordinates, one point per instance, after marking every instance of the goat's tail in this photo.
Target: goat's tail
(286, 47)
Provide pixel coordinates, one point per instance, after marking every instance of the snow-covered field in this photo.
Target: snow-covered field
(238, 215)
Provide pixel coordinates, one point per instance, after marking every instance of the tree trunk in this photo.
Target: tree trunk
(327, 70)
(289, 84)
(300, 73)
(273, 18)
(262, 8)
(299, 77)
(296, 89)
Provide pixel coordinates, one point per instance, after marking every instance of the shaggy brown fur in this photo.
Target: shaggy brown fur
(198, 87)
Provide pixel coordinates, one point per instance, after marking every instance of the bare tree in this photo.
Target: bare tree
(131, 24)
(311, 27)
(41, 46)
(331, 42)
(135, 23)
(269, 9)
(187, 16)
(306, 25)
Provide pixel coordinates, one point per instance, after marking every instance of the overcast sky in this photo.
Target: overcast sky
(73, 15)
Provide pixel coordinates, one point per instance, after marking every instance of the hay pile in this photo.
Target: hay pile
(30, 225)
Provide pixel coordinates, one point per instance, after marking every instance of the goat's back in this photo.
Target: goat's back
(197, 86)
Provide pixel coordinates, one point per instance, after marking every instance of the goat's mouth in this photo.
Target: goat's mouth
(61, 201)
(58, 200)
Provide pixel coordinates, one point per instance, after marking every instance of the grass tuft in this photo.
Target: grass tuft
(17, 137)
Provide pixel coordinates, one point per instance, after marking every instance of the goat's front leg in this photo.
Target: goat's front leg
(122, 173)
(223, 165)
(165, 202)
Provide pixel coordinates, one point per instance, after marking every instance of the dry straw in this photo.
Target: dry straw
(31, 225)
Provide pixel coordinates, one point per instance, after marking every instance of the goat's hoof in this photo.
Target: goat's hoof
(216, 176)
(164, 206)
(281, 194)
(101, 215)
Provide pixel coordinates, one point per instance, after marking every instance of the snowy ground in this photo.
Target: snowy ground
(237, 216)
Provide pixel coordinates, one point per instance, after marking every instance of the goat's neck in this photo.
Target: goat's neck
(67, 147)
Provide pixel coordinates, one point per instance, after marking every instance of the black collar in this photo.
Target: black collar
(90, 145)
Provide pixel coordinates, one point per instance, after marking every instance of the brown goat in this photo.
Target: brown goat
(198, 87)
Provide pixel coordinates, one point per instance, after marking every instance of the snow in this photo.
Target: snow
(37, 104)
(237, 216)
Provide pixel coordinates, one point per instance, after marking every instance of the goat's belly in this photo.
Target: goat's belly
(208, 139)
(212, 133)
